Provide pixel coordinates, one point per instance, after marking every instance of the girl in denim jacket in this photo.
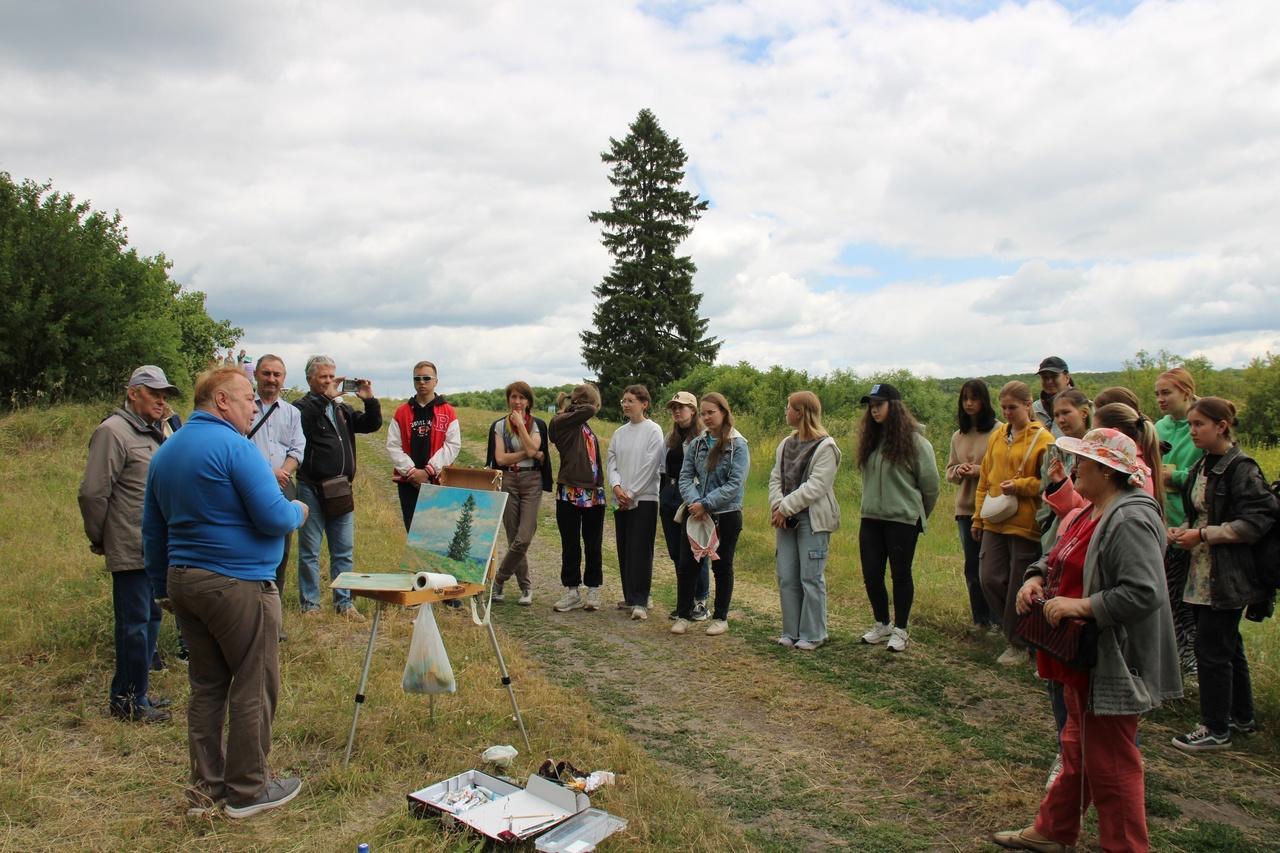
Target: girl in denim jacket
(712, 481)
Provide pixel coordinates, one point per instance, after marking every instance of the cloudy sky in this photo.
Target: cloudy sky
(955, 187)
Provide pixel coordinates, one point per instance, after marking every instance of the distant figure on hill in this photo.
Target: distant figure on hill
(111, 497)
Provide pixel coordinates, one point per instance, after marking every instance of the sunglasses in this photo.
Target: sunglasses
(423, 378)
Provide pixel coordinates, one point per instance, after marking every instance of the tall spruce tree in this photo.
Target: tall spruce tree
(460, 545)
(646, 327)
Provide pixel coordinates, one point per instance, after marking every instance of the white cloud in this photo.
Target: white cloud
(386, 182)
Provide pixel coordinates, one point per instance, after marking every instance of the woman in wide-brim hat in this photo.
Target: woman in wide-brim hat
(1108, 566)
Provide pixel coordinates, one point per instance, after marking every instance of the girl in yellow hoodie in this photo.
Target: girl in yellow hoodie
(1011, 466)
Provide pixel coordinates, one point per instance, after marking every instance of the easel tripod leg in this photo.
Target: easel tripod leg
(364, 680)
(506, 681)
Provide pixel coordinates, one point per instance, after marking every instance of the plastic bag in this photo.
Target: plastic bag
(500, 755)
(428, 669)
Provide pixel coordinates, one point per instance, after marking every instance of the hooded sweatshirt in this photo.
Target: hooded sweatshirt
(1182, 455)
(904, 492)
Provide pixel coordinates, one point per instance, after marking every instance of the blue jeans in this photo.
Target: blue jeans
(802, 586)
(341, 532)
(137, 625)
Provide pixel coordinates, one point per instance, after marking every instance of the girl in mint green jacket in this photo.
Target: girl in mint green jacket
(899, 488)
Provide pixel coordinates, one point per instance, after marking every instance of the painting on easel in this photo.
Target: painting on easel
(454, 532)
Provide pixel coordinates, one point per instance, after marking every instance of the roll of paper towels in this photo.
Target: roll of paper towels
(432, 580)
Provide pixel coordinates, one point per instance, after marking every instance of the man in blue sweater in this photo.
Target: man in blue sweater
(213, 528)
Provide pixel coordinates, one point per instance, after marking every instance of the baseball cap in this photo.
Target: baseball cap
(683, 398)
(881, 391)
(154, 378)
(1053, 364)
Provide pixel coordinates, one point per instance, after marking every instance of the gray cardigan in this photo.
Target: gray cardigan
(1137, 666)
(817, 493)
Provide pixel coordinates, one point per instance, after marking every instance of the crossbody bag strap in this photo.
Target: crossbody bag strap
(1025, 456)
(271, 411)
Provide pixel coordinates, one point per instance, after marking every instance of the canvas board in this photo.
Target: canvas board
(454, 532)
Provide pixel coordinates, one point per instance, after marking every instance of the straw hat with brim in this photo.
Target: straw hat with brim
(1108, 447)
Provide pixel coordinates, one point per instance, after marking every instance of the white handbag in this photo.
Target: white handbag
(998, 508)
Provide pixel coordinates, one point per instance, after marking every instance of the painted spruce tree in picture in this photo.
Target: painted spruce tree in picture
(646, 327)
(460, 545)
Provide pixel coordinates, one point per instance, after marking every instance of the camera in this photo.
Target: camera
(350, 386)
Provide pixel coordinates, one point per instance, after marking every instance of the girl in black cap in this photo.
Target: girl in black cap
(899, 488)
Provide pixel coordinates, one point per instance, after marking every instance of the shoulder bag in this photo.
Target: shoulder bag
(998, 508)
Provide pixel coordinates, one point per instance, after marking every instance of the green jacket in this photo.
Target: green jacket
(1182, 455)
(904, 493)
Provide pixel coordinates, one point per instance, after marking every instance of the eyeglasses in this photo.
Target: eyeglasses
(423, 378)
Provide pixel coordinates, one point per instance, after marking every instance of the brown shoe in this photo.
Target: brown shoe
(351, 613)
(1028, 839)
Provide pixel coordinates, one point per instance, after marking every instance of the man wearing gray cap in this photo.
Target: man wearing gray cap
(111, 495)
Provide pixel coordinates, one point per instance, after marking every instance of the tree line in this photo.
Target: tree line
(82, 308)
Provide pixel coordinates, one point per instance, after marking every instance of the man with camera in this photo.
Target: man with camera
(324, 479)
(277, 433)
(111, 495)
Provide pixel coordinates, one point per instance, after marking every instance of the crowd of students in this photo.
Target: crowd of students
(1066, 508)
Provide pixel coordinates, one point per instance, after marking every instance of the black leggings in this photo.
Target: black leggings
(895, 543)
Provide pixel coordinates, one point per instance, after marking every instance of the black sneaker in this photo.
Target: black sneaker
(183, 655)
(1202, 740)
(674, 614)
(139, 713)
(157, 662)
(276, 794)
(700, 613)
(1244, 727)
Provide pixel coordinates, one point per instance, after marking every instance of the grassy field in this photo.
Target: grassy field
(736, 745)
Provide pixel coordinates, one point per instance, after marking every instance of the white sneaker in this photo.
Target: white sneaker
(806, 646)
(526, 597)
(879, 632)
(497, 591)
(639, 613)
(680, 626)
(898, 639)
(593, 598)
(786, 642)
(571, 600)
(717, 627)
(1054, 772)
(1011, 656)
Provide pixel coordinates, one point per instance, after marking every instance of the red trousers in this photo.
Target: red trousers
(1100, 764)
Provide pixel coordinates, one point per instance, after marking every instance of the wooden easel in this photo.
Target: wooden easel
(480, 479)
